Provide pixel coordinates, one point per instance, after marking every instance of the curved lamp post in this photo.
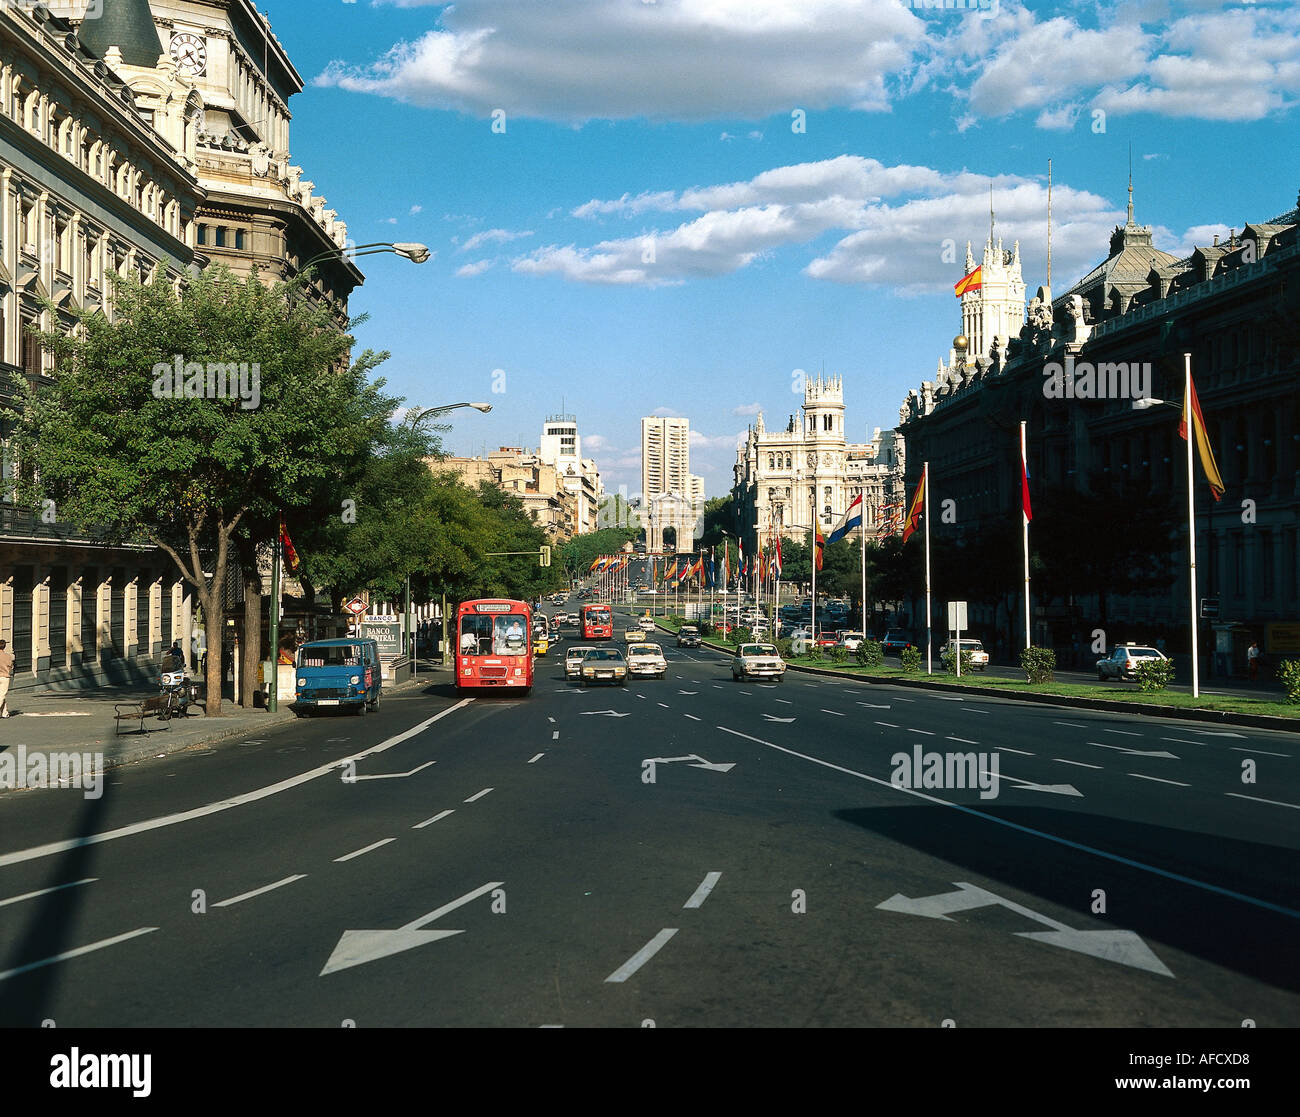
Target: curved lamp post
(416, 253)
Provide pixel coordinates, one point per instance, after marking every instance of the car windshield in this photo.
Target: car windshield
(314, 655)
(644, 649)
(757, 649)
(690, 630)
(576, 653)
(602, 654)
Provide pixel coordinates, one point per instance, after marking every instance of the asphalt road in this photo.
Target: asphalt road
(510, 863)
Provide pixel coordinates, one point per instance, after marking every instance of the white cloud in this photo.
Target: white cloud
(664, 412)
(747, 409)
(492, 236)
(477, 268)
(416, 209)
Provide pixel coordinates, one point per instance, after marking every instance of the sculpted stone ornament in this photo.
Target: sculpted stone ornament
(261, 159)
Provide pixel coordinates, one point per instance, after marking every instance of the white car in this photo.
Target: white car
(647, 659)
(647, 624)
(850, 640)
(1121, 662)
(757, 661)
(573, 661)
(979, 658)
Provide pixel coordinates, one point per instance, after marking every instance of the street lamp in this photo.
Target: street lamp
(416, 253)
(1143, 405)
(429, 412)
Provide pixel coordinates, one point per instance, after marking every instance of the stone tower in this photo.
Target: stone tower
(997, 308)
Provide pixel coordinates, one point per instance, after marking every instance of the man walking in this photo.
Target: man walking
(6, 677)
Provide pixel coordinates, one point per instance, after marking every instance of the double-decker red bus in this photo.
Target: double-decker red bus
(597, 622)
(494, 644)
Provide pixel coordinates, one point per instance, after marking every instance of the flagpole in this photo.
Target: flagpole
(863, 529)
(1024, 471)
(273, 629)
(814, 577)
(929, 496)
(1191, 523)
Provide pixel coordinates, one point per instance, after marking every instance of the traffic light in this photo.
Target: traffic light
(544, 556)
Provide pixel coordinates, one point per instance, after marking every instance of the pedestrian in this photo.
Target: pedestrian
(6, 677)
(1252, 660)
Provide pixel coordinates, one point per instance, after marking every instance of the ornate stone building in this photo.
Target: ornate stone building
(1235, 307)
(786, 477)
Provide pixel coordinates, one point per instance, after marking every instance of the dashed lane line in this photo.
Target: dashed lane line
(962, 740)
(440, 815)
(1156, 779)
(46, 891)
(477, 795)
(702, 893)
(888, 724)
(1256, 799)
(833, 713)
(258, 891)
(924, 732)
(642, 956)
(1077, 763)
(1000, 748)
(75, 953)
(364, 849)
(536, 758)
(1261, 752)
(1122, 732)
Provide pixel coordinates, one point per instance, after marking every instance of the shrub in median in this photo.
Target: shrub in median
(870, 653)
(785, 647)
(1039, 663)
(910, 658)
(1289, 672)
(1154, 674)
(967, 664)
(742, 636)
(839, 654)
(814, 652)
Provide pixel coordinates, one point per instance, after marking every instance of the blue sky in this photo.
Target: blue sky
(654, 232)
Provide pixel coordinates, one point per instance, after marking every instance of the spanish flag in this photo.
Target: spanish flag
(914, 513)
(820, 544)
(1192, 406)
(972, 282)
(290, 554)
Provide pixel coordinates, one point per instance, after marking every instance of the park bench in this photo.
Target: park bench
(159, 706)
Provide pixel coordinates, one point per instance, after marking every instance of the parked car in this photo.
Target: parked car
(896, 639)
(604, 665)
(1121, 662)
(688, 636)
(647, 659)
(979, 658)
(573, 660)
(757, 661)
(851, 640)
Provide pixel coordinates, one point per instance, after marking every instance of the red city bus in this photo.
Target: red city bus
(494, 644)
(597, 622)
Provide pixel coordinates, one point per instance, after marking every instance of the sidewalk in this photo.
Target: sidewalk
(83, 722)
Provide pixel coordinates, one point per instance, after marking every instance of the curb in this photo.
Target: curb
(1177, 713)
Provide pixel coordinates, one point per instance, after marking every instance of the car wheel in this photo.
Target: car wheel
(374, 709)
(361, 709)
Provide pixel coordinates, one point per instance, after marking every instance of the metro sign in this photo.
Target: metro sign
(356, 606)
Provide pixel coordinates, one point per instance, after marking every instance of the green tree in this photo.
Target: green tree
(577, 554)
(120, 441)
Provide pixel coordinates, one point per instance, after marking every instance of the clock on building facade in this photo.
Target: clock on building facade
(190, 53)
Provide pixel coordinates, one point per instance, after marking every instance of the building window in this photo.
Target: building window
(201, 237)
(239, 240)
(220, 241)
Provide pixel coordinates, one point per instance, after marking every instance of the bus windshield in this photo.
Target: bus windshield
(599, 614)
(495, 634)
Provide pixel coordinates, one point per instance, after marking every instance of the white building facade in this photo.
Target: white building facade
(672, 496)
(561, 447)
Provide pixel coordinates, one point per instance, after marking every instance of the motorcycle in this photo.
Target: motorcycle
(178, 691)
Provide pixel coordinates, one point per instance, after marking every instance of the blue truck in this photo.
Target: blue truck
(344, 674)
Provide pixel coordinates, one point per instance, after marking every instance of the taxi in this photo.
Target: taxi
(541, 643)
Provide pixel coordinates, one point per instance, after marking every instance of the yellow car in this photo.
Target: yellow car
(541, 644)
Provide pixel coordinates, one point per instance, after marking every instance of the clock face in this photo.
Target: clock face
(190, 53)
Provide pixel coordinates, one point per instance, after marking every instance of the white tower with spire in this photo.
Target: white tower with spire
(996, 309)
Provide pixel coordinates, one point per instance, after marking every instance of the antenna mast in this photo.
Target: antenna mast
(1049, 225)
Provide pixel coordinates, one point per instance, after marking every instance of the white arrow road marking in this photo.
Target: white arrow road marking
(398, 775)
(430, 821)
(997, 820)
(258, 891)
(642, 956)
(75, 953)
(1053, 788)
(478, 795)
(357, 947)
(700, 762)
(1124, 947)
(1135, 752)
(607, 713)
(773, 717)
(364, 849)
(702, 893)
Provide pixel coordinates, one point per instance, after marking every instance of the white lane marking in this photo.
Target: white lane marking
(999, 821)
(897, 699)
(890, 724)
(435, 818)
(664, 705)
(702, 893)
(642, 697)
(1137, 752)
(925, 732)
(1213, 732)
(874, 705)
(784, 701)
(691, 716)
(748, 692)
(1000, 748)
(717, 686)
(972, 710)
(77, 952)
(1122, 732)
(1075, 724)
(257, 891)
(397, 775)
(555, 735)
(224, 804)
(962, 740)
(1077, 763)
(947, 697)
(1261, 752)
(642, 956)
(833, 713)
(1156, 779)
(536, 758)
(1256, 799)
(46, 891)
(364, 849)
(1180, 741)
(478, 795)
(551, 720)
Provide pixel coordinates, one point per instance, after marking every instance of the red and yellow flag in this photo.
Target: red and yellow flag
(1192, 405)
(290, 554)
(972, 282)
(820, 545)
(915, 512)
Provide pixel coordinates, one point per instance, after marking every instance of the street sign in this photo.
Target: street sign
(957, 616)
(356, 606)
(1209, 608)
